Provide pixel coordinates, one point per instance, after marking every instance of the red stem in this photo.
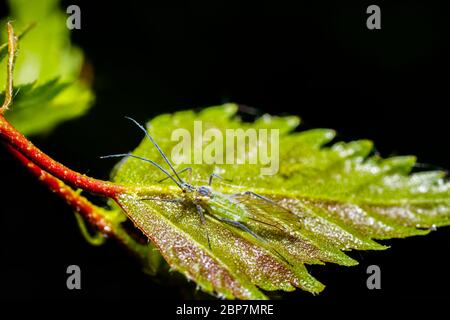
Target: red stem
(44, 162)
(79, 203)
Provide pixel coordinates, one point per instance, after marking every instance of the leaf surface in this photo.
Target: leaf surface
(327, 200)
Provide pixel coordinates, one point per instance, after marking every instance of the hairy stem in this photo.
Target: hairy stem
(75, 179)
(12, 47)
(21, 144)
(94, 215)
(58, 177)
(81, 205)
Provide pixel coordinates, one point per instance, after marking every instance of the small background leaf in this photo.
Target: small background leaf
(46, 61)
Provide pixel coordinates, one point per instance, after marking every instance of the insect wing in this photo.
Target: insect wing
(268, 213)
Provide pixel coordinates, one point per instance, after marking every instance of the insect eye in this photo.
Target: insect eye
(204, 191)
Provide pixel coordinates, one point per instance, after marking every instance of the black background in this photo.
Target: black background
(315, 59)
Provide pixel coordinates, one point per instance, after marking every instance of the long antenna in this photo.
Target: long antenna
(120, 155)
(157, 147)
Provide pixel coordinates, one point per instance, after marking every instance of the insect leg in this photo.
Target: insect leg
(241, 226)
(121, 155)
(201, 212)
(267, 224)
(214, 175)
(179, 172)
(140, 126)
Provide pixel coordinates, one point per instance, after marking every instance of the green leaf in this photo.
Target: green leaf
(329, 199)
(46, 60)
(48, 105)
